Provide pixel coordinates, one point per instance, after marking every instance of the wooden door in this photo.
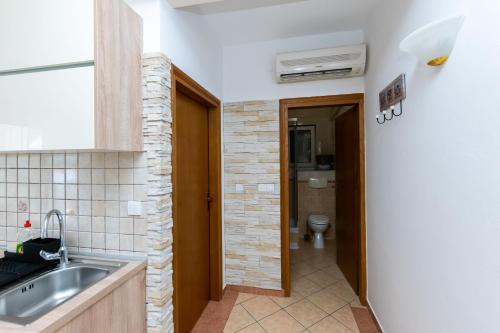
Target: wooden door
(347, 222)
(192, 211)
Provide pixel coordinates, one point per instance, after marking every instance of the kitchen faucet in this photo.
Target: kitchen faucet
(62, 253)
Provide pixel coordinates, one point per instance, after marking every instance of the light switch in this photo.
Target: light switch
(265, 188)
(239, 188)
(134, 208)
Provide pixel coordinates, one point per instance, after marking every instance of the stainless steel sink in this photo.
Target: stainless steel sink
(31, 299)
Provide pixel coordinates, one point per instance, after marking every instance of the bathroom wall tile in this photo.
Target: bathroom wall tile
(3, 161)
(22, 176)
(85, 192)
(84, 223)
(3, 219)
(46, 161)
(34, 191)
(112, 225)
(23, 161)
(58, 161)
(34, 176)
(112, 192)
(46, 176)
(98, 160)
(12, 161)
(84, 240)
(3, 204)
(140, 226)
(112, 241)
(85, 176)
(72, 238)
(3, 189)
(126, 192)
(140, 192)
(12, 205)
(98, 176)
(126, 160)
(111, 177)
(111, 161)
(35, 161)
(71, 176)
(72, 223)
(11, 176)
(140, 243)
(23, 190)
(85, 207)
(71, 160)
(84, 160)
(59, 191)
(127, 226)
(98, 208)
(98, 192)
(35, 205)
(98, 240)
(112, 209)
(12, 222)
(46, 191)
(59, 176)
(98, 224)
(126, 176)
(72, 207)
(71, 191)
(3, 175)
(126, 242)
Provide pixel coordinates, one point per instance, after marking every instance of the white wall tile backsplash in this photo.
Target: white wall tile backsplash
(91, 189)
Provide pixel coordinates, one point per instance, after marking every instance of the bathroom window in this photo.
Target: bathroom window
(302, 146)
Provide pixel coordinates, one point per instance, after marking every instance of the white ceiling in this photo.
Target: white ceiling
(248, 21)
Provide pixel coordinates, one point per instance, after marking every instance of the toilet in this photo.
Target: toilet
(319, 224)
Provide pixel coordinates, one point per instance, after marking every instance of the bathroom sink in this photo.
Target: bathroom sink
(36, 296)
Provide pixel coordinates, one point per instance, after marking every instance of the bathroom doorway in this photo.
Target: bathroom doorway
(322, 202)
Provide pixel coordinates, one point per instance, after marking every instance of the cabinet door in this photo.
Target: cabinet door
(36, 33)
(51, 110)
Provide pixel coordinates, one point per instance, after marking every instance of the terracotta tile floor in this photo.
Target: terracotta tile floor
(321, 301)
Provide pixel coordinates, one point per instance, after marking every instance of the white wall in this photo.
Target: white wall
(433, 176)
(191, 45)
(249, 69)
(149, 11)
(185, 38)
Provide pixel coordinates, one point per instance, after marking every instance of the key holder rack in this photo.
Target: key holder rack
(392, 95)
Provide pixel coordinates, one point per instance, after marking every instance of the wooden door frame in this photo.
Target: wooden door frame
(322, 101)
(181, 82)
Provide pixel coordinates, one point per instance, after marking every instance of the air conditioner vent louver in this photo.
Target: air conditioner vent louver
(320, 60)
(333, 63)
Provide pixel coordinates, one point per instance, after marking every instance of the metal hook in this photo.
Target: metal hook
(400, 109)
(378, 121)
(385, 115)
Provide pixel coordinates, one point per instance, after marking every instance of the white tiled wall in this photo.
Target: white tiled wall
(91, 189)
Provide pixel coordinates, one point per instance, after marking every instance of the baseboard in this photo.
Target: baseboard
(255, 290)
(372, 314)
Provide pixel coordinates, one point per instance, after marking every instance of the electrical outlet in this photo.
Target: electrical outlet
(394, 93)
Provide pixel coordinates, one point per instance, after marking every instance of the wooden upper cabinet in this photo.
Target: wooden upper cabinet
(70, 76)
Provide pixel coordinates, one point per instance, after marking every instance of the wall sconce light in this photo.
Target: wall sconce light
(433, 43)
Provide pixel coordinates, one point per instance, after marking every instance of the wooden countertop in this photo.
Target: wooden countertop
(64, 313)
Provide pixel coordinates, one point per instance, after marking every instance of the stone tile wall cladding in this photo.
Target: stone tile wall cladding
(252, 198)
(93, 189)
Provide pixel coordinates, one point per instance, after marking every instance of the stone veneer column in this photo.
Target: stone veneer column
(158, 147)
(252, 194)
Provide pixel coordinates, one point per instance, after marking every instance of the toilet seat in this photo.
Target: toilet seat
(319, 219)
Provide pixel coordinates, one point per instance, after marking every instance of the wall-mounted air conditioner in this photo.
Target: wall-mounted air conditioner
(323, 64)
